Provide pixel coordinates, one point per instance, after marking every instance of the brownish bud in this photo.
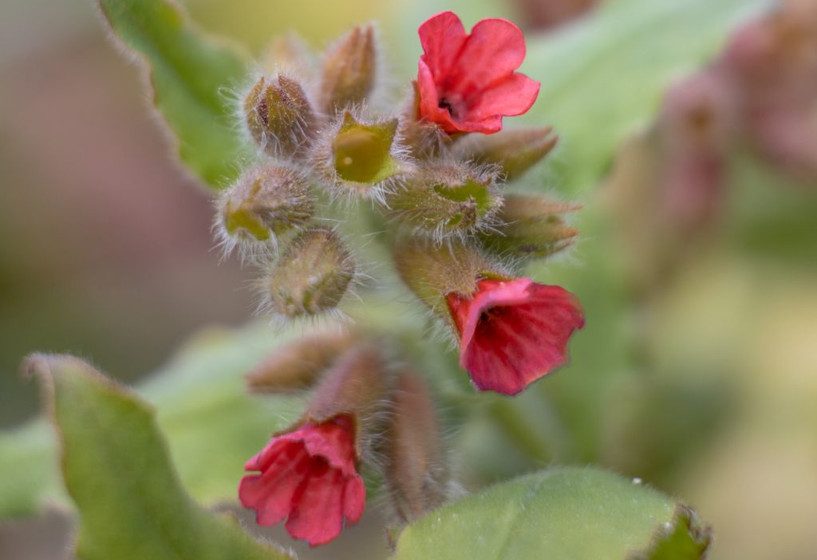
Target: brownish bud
(445, 199)
(298, 365)
(349, 70)
(265, 202)
(514, 151)
(311, 276)
(356, 385)
(416, 473)
(431, 270)
(279, 117)
(531, 227)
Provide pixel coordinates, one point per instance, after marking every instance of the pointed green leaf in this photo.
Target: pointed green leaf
(575, 513)
(201, 405)
(189, 74)
(118, 472)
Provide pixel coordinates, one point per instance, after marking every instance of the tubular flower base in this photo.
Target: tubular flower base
(513, 332)
(467, 83)
(309, 477)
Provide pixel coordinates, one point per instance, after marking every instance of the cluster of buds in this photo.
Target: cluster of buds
(365, 412)
(432, 184)
(435, 173)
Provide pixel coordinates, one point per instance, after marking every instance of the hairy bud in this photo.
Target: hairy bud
(350, 70)
(311, 276)
(530, 227)
(298, 365)
(355, 157)
(431, 270)
(265, 202)
(279, 117)
(415, 469)
(445, 199)
(514, 151)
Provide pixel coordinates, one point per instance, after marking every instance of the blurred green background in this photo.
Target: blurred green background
(704, 385)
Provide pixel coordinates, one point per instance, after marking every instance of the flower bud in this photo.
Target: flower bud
(416, 473)
(298, 365)
(514, 151)
(356, 385)
(279, 117)
(445, 199)
(530, 227)
(311, 276)
(349, 71)
(265, 202)
(357, 157)
(432, 270)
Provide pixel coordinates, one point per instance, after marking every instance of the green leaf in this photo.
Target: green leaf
(118, 472)
(189, 74)
(211, 424)
(567, 513)
(603, 78)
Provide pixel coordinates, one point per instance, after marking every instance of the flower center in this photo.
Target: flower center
(445, 104)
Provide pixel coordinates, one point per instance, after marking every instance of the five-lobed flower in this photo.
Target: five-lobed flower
(467, 82)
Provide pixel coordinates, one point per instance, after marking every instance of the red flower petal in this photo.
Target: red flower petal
(308, 476)
(493, 50)
(442, 37)
(513, 333)
(509, 97)
(467, 83)
(317, 513)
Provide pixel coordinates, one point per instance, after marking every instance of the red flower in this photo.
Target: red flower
(309, 477)
(513, 332)
(467, 83)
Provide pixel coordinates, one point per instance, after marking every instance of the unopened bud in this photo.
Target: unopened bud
(265, 202)
(514, 151)
(445, 199)
(356, 386)
(432, 270)
(311, 276)
(530, 227)
(298, 365)
(349, 71)
(355, 157)
(279, 117)
(415, 469)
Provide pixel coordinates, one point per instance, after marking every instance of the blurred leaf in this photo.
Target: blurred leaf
(605, 76)
(118, 472)
(189, 74)
(211, 424)
(771, 214)
(575, 513)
